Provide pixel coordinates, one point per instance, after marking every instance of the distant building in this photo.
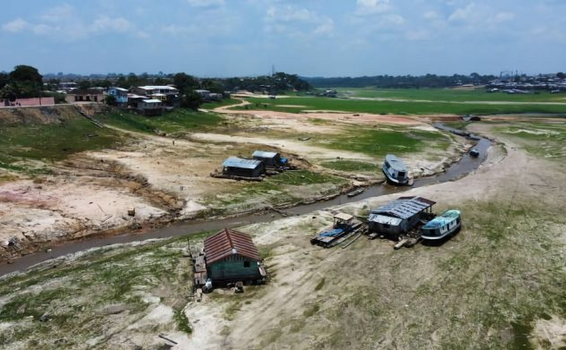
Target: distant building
(165, 93)
(243, 167)
(398, 216)
(205, 94)
(85, 95)
(231, 256)
(28, 102)
(150, 107)
(120, 94)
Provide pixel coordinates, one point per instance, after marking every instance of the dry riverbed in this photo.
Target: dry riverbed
(167, 178)
(499, 283)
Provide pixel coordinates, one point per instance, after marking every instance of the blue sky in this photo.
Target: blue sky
(307, 37)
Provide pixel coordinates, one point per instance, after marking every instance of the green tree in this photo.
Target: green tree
(26, 81)
(561, 75)
(110, 100)
(24, 73)
(191, 100)
(185, 82)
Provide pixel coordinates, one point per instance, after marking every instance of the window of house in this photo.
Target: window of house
(246, 264)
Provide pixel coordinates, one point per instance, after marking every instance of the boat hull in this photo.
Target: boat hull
(445, 235)
(394, 180)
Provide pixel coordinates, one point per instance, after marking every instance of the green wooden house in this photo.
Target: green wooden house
(231, 256)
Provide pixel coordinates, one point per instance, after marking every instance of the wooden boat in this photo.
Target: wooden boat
(344, 225)
(395, 170)
(442, 226)
(474, 152)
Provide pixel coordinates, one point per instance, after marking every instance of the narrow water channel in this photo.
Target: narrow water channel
(457, 170)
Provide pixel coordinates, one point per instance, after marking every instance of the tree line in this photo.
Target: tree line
(402, 81)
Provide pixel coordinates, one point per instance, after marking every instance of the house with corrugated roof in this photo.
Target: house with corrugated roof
(235, 166)
(231, 256)
(270, 159)
(399, 216)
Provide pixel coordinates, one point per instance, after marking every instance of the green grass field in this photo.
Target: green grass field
(175, 121)
(52, 142)
(378, 143)
(455, 95)
(441, 106)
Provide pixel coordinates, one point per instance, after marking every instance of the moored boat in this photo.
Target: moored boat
(395, 170)
(442, 226)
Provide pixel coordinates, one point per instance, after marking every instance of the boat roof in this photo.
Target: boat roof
(404, 207)
(442, 220)
(386, 220)
(235, 162)
(343, 216)
(396, 163)
(264, 154)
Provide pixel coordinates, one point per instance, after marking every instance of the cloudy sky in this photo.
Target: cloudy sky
(307, 37)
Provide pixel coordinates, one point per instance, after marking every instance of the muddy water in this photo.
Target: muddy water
(457, 170)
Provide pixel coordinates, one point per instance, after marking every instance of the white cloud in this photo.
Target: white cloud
(111, 24)
(431, 15)
(296, 21)
(64, 23)
(464, 14)
(205, 3)
(370, 7)
(503, 17)
(16, 26)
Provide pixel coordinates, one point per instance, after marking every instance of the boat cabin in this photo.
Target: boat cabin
(442, 226)
(399, 216)
(395, 170)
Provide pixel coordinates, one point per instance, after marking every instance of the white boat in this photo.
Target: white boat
(442, 226)
(395, 170)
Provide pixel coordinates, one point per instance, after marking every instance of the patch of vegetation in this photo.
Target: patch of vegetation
(182, 322)
(378, 143)
(350, 166)
(320, 284)
(216, 104)
(276, 190)
(311, 310)
(51, 142)
(401, 107)
(178, 120)
(452, 95)
(546, 140)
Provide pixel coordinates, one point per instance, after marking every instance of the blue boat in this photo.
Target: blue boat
(344, 224)
(395, 170)
(442, 226)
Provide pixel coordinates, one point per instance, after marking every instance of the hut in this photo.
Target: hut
(231, 256)
(399, 216)
(235, 166)
(270, 159)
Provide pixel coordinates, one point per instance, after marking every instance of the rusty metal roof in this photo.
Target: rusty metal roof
(229, 242)
(404, 207)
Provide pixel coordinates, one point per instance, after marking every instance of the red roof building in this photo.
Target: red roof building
(231, 256)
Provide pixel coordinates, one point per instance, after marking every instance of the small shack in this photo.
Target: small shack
(249, 168)
(270, 159)
(399, 216)
(231, 256)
